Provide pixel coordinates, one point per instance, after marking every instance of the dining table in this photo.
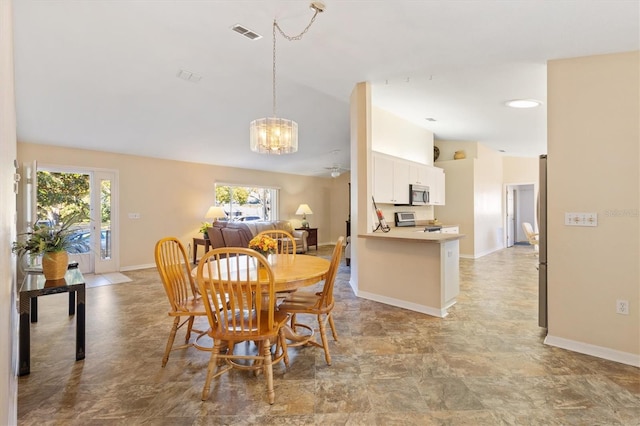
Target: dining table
(291, 272)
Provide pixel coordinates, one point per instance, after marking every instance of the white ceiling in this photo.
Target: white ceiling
(102, 75)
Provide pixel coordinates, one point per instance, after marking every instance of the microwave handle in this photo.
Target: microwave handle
(425, 196)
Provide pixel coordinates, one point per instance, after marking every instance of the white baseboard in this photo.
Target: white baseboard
(593, 350)
(434, 312)
(136, 267)
(484, 253)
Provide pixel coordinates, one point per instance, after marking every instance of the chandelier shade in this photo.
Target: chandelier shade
(273, 135)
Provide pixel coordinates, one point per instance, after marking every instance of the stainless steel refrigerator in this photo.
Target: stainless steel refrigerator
(542, 244)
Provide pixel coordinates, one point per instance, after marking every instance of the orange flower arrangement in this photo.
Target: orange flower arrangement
(263, 244)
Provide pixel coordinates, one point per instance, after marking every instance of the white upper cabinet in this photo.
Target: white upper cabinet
(436, 186)
(390, 179)
(419, 174)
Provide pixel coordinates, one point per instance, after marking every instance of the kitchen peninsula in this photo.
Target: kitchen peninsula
(411, 269)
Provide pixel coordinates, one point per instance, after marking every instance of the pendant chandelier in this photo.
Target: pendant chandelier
(275, 135)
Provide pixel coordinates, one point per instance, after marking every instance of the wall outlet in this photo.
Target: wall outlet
(134, 215)
(622, 307)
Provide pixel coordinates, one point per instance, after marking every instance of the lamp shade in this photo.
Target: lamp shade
(273, 136)
(304, 209)
(215, 212)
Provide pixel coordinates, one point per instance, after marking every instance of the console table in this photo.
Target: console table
(312, 238)
(205, 242)
(35, 285)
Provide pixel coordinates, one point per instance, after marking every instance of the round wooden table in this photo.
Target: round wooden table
(292, 271)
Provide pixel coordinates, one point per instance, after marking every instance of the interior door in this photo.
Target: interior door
(511, 219)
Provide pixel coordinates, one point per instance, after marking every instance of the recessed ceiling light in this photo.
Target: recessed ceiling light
(523, 103)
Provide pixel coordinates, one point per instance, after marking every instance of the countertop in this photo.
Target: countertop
(413, 234)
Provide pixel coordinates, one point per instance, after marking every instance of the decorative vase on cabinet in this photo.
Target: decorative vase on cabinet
(459, 155)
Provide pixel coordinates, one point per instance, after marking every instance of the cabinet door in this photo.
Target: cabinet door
(437, 192)
(419, 174)
(400, 182)
(383, 179)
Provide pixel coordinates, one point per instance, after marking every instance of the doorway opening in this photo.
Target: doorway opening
(520, 207)
(54, 192)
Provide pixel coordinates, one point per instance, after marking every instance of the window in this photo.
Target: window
(245, 203)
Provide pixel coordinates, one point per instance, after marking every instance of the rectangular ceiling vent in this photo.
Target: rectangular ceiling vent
(251, 35)
(189, 76)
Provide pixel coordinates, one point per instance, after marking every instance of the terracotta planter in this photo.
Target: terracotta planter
(54, 265)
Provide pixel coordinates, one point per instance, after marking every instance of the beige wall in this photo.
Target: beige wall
(520, 170)
(396, 136)
(473, 188)
(593, 131)
(459, 201)
(8, 314)
(487, 205)
(173, 196)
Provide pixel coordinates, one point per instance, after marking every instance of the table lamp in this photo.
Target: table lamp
(304, 210)
(215, 213)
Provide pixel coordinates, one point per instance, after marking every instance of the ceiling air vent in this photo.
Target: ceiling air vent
(246, 32)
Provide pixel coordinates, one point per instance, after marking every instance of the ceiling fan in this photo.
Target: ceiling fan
(336, 170)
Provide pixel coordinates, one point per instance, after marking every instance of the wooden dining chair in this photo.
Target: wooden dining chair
(184, 297)
(319, 304)
(286, 241)
(245, 279)
(532, 237)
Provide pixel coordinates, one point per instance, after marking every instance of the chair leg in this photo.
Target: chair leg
(172, 337)
(293, 321)
(213, 362)
(268, 370)
(283, 347)
(333, 327)
(323, 336)
(189, 328)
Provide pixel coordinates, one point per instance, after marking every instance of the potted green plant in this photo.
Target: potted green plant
(203, 229)
(52, 242)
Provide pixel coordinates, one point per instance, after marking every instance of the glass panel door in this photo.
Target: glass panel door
(105, 231)
(60, 191)
(59, 195)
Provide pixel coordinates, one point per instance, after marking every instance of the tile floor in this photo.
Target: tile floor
(484, 364)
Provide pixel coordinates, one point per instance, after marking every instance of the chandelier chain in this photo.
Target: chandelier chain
(290, 38)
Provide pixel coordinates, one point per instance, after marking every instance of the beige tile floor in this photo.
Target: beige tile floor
(484, 364)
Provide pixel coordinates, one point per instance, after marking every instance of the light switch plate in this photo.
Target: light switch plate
(581, 219)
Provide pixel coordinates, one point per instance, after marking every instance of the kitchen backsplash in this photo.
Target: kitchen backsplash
(422, 212)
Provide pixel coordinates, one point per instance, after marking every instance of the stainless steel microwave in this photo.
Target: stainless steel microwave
(418, 195)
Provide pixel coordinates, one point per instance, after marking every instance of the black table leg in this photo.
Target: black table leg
(80, 331)
(34, 309)
(24, 347)
(72, 302)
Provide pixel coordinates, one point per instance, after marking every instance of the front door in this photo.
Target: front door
(104, 220)
(57, 191)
